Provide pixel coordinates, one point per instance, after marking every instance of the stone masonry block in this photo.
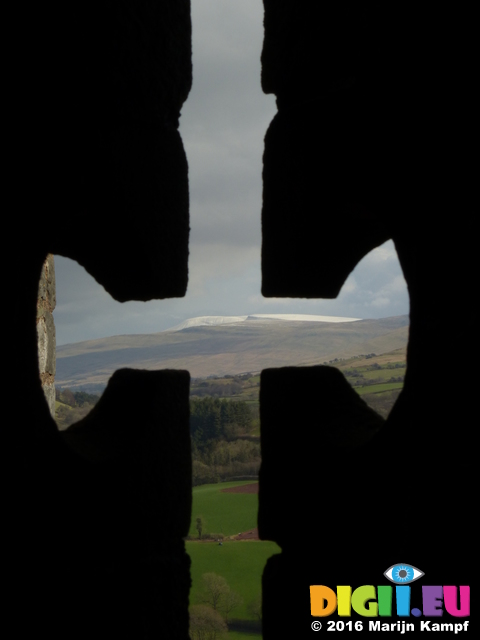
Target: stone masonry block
(42, 345)
(49, 391)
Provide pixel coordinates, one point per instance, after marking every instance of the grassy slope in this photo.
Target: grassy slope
(379, 388)
(375, 380)
(227, 513)
(229, 349)
(241, 563)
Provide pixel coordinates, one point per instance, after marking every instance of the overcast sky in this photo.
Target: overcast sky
(223, 124)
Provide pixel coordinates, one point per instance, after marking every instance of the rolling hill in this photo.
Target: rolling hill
(248, 344)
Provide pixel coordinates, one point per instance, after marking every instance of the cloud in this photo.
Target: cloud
(369, 292)
(224, 121)
(377, 284)
(213, 266)
(223, 125)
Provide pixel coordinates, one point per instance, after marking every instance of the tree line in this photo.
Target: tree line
(212, 419)
(217, 427)
(218, 449)
(209, 619)
(72, 406)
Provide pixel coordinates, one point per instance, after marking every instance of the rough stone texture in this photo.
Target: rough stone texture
(46, 331)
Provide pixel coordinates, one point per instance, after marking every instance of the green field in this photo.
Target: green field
(379, 388)
(226, 513)
(379, 379)
(240, 562)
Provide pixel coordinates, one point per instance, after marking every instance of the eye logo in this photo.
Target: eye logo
(403, 573)
(369, 601)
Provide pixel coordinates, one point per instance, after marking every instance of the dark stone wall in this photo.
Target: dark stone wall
(373, 140)
(95, 515)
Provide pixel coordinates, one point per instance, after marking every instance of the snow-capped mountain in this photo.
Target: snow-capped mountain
(205, 321)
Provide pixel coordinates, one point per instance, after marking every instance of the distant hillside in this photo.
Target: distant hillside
(229, 348)
(206, 321)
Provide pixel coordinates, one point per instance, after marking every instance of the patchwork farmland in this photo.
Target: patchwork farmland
(229, 547)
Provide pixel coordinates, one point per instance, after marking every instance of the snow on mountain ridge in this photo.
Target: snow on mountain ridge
(299, 317)
(209, 321)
